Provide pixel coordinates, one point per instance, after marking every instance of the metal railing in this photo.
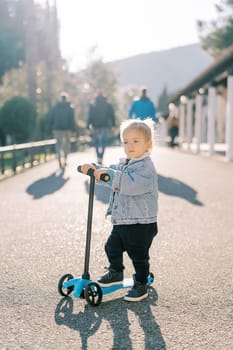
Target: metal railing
(14, 158)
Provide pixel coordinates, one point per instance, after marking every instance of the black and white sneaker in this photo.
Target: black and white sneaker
(137, 293)
(111, 278)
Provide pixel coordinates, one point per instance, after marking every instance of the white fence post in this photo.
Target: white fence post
(229, 119)
(212, 109)
(189, 122)
(198, 119)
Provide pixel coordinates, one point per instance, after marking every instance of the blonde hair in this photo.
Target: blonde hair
(146, 127)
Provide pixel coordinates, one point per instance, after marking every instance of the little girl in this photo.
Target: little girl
(132, 206)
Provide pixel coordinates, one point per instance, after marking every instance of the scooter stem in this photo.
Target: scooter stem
(86, 274)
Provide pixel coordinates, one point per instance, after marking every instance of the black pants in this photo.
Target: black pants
(136, 241)
(173, 132)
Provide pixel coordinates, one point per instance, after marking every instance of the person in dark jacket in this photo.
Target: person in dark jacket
(100, 120)
(63, 126)
(143, 108)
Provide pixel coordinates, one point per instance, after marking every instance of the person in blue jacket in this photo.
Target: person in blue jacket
(143, 108)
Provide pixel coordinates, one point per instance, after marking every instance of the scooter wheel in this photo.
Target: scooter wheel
(65, 291)
(93, 294)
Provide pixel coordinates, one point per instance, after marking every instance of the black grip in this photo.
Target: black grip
(90, 172)
(104, 177)
(79, 168)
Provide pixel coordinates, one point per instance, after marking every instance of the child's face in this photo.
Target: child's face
(135, 144)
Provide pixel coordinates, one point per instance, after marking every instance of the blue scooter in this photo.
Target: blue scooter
(83, 287)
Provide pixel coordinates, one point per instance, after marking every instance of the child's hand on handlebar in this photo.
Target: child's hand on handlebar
(86, 167)
(99, 172)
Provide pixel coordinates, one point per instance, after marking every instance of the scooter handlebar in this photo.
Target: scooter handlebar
(103, 177)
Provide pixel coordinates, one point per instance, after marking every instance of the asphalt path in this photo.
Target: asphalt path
(43, 217)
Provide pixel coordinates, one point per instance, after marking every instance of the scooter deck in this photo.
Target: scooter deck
(126, 283)
(79, 284)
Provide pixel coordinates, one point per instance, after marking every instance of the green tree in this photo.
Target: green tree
(28, 36)
(14, 83)
(17, 119)
(217, 34)
(12, 44)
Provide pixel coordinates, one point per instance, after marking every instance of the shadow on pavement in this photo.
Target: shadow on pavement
(116, 313)
(167, 185)
(47, 185)
(173, 187)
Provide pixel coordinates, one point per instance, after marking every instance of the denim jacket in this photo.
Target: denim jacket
(134, 194)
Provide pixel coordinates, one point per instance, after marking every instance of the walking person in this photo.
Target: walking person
(143, 108)
(173, 129)
(132, 206)
(63, 126)
(100, 121)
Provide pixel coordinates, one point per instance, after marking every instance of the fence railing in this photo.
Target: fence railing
(21, 156)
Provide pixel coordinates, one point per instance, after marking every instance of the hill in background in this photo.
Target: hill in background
(174, 68)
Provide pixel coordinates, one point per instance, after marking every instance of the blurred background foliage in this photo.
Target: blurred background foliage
(32, 67)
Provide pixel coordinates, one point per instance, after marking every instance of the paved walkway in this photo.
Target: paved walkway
(43, 226)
